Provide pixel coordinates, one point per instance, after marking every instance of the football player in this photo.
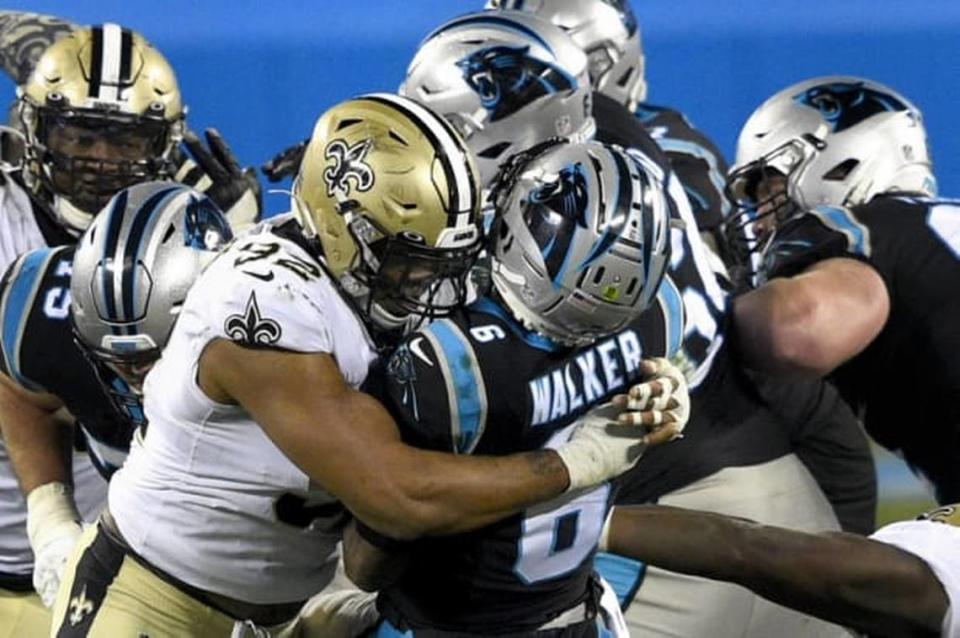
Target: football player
(100, 111)
(80, 333)
(608, 33)
(736, 455)
(579, 247)
(903, 581)
(231, 506)
(856, 270)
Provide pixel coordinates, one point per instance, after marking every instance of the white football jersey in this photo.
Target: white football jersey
(937, 542)
(206, 496)
(20, 233)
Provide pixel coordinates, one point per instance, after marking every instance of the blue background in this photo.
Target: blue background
(262, 72)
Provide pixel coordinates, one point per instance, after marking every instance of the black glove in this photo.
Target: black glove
(286, 163)
(217, 173)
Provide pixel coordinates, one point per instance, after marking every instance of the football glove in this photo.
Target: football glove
(53, 526)
(217, 173)
(286, 163)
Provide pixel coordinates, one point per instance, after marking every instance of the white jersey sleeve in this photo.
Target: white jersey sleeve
(206, 496)
(265, 291)
(937, 544)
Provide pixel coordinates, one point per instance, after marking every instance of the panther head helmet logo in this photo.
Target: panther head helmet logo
(845, 104)
(507, 78)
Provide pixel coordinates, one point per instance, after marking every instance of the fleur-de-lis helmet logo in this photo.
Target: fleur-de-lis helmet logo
(348, 166)
(251, 327)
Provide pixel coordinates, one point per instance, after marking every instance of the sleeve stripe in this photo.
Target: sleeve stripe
(842, 221)
(466, 391)
(18, 299)
(672, 304)
(714, 174)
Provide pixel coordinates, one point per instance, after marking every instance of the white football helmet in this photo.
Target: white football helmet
(581, 239)
(506, 81)
(607, 31)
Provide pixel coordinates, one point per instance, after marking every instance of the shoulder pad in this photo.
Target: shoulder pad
(819, 234)
(265, 291)
(21, 290)
(435, 383)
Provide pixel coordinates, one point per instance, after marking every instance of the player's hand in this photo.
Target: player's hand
(53, 526)
(216, 172)
(662, 400)
(286, 163)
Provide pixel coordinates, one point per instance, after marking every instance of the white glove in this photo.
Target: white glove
(53, 525)
(600, 448)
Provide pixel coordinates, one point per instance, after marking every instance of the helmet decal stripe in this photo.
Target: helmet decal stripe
(140, 227)
(96, 61)
(126, 56)
(462, 194)
(110, 67)
(613, 228)
(107, 284)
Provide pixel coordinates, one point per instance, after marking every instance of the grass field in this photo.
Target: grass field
(902, 495)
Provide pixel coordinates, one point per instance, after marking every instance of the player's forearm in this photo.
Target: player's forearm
(38, 440)
(40, 452)
(433, 493)
(369, 567)
(840, 577)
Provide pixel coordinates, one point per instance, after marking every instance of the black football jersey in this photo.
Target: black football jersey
(695, 159)
(480, 383)
(691, 271)
(40, 354)
(906, 384)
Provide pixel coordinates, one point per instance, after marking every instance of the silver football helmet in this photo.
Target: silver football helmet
(132, 270)
(581, 239)
(837, 140)
(506, 81)
(608, 33)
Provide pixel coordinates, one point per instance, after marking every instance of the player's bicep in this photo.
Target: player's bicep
(303, 404)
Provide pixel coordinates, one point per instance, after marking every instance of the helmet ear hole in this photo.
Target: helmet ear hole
(840, 172)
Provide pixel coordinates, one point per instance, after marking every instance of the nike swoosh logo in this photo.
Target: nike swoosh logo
(416, 349)
(266, 277)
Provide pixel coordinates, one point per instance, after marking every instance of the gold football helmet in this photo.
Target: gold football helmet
(101, 111)
(393, 195)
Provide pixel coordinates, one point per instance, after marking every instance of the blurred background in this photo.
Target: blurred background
(263, 72)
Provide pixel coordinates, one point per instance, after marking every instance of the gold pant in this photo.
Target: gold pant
(107, 593)
(22, 615)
